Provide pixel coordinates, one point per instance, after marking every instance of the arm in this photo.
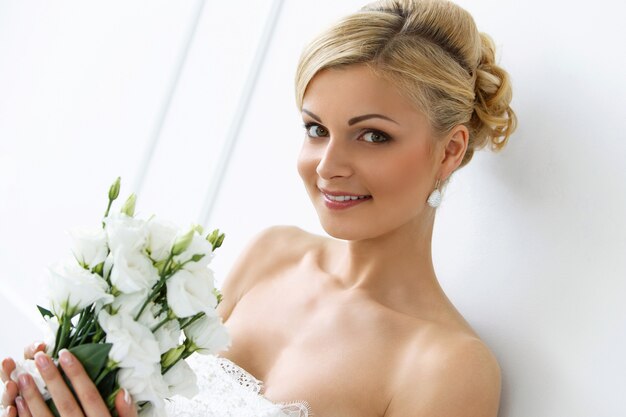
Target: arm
(462, 380)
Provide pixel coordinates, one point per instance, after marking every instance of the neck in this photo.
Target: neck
(395, 268)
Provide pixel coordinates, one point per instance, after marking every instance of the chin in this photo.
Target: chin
(350, 230)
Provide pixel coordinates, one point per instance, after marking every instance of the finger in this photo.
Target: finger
(88, 394)
(8, 365)
(29, 351)
(22, 408)
(30, 402)
(124, 404)
(10, 411)
(59, 391)
(9, 394)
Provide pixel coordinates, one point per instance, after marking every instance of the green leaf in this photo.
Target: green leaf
(197, 257)
(45, 312)
(93, 356)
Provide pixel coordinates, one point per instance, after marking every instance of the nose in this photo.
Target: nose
(334, 161)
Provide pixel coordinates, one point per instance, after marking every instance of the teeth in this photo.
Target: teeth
(345, 197)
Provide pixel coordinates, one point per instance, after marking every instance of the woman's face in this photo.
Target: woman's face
(365, 140)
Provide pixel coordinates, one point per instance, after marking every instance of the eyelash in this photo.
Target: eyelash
(308, 126)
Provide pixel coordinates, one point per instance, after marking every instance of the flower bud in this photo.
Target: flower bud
(171, 356)
(114, 190)
(198, 228)
(215, 238)
(129, 206)
(182, 243)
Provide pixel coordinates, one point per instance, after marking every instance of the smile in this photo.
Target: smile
(345, 197)
(339, 200)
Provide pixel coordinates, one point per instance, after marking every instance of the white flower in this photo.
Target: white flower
(161, 236)
(50, 333)
(134, 345)
(209, 335)
(189, 293)
(130, 303)
(28, 367)
(123, 230)
(132, 271)
(181, 380)
(198, 245)
(168, 335)
(71, 288)
(148, 410)
(150, 387)
(108, 265)
(89, 246)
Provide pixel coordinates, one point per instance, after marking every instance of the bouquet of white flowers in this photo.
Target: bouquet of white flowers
(137, 300)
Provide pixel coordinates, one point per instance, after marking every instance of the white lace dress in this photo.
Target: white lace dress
(226, 390)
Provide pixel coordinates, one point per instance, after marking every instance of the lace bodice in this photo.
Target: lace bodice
(226, 390)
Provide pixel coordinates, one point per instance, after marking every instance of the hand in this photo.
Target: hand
(10, 387)
(90, 402)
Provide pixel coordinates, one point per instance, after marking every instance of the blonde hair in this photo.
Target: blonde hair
(433, 51)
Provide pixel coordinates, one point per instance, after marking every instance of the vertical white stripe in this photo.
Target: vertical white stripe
(240, 113)
(167, 102)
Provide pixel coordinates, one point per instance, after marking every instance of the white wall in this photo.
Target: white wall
(529, 243)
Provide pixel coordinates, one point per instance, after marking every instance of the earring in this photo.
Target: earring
(434, 199)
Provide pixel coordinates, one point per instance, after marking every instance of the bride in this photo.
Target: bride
(394, 99)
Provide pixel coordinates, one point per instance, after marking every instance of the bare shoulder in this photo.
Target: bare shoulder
(268, 251)
(451, 374)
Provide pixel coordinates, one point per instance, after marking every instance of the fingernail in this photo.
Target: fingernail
(9, 410)
(127, 398)
(41, 360)
(66, 357)
(24, 381)
(21, 407)
(36, 346)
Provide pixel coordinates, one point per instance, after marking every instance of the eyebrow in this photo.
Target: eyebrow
(354, 120)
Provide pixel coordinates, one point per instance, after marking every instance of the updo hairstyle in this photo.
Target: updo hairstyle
(432, 51)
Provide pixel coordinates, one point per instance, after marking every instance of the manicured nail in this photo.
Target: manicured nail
(41, 360)
(36, 346)
(127, 398)
(9, 411)
(23, 381)
(21, 407)
(66, 357)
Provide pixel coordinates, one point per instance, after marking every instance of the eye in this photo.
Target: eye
(374, 136)
(314, 130)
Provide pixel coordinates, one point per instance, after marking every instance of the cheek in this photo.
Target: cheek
(306, 163)
(407, 176)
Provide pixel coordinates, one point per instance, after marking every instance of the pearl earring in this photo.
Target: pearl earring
(434, 199)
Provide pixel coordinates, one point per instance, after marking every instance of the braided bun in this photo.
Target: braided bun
(493, 120)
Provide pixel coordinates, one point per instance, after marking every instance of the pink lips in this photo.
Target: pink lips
(340, 205)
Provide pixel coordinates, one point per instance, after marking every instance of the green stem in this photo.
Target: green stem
(84, 315)
(106, 213)
(102, 375)
(192, 320)
(157, 287)
(86, 333)
(158, 326)
(65, 329)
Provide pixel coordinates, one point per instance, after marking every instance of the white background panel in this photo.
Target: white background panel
(528, 243)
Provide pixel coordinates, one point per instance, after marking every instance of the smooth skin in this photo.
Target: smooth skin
(24, 400)
(357, 324)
